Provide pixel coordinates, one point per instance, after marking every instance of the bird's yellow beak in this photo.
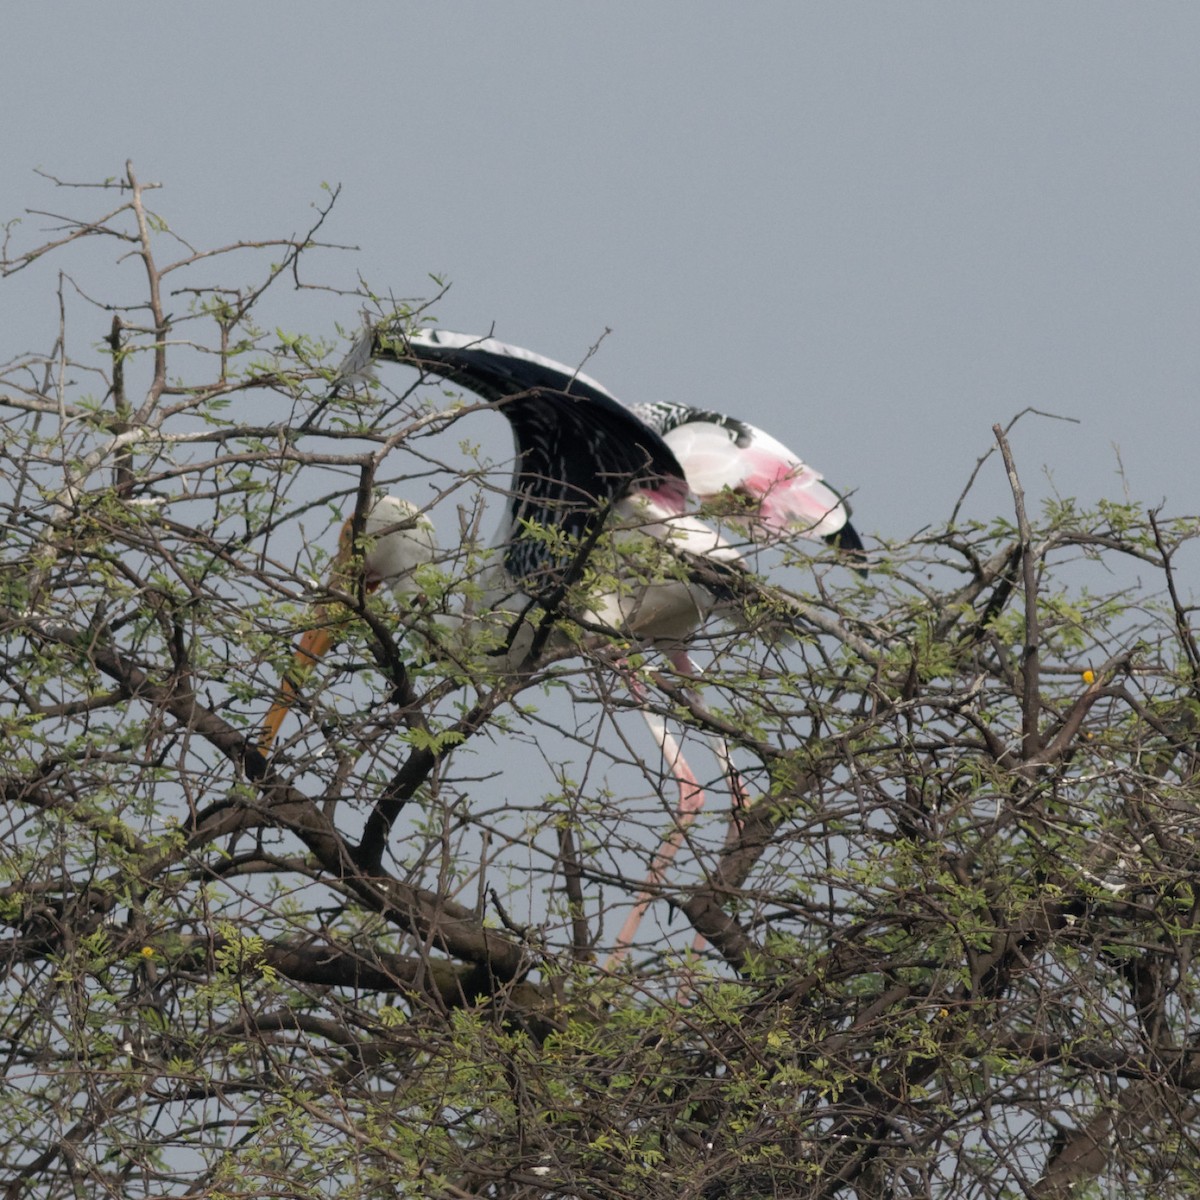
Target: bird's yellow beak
(315, 643)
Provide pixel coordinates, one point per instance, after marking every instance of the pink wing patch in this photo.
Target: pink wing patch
(787, 497)
(791, 497)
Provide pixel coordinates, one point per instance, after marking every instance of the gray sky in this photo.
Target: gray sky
(872, 229)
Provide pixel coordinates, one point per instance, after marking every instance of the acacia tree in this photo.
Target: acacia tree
(947, 948)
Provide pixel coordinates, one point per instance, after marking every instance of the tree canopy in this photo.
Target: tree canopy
(946, 949)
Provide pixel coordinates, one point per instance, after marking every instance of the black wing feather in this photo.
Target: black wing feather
(578, 449)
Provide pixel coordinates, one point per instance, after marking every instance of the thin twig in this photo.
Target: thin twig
(1030, 741)
(156, 310)
(1037, 412)
(1186, 638)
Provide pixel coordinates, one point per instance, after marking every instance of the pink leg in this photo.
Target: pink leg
(691, 801)
(740, 797)
(682, 663)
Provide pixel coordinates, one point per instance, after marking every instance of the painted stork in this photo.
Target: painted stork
(400, 540)
(579, 455)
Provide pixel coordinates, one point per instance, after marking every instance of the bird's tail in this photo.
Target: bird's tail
(850, 547)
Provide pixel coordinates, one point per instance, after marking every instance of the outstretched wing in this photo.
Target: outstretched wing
(578, 450)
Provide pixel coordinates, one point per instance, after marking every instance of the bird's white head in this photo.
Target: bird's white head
(401, 540)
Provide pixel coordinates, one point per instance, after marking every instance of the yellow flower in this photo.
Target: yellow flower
(1089, 676)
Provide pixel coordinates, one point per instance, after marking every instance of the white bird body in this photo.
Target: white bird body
(664, 611)
(644, 588)
(400, 540)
